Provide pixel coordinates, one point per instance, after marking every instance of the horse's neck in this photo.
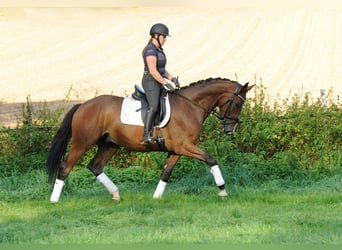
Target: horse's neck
(205, 97)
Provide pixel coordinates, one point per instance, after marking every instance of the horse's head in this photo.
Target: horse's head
(230, 108)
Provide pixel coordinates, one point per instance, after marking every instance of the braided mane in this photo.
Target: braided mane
(208, 81)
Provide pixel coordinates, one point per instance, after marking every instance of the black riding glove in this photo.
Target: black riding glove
(176, 82)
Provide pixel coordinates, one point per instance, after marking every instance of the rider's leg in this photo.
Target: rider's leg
(152, 90)
(147, 138)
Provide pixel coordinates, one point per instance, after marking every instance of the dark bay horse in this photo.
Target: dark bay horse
(97, 121)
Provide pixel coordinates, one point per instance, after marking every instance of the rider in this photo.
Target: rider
(155, 76)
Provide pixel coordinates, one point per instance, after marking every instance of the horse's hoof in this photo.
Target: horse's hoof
(223, 194)
(116, 196)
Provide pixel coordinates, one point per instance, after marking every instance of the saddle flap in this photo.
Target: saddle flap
(131, 112)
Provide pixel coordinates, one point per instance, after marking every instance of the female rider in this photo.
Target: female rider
(155, 75)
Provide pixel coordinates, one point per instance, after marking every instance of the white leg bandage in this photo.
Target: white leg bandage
(57, 190)
(215, 170)
(111, 187)
(160, 189)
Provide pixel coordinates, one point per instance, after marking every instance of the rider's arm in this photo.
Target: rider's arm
(152, 68)
(168, 75)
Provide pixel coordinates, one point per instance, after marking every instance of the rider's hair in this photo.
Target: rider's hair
(149, 41)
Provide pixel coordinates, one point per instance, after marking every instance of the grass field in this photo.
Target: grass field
(270, 213)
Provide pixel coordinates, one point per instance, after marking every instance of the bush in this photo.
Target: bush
(312, 133)
(24, 148)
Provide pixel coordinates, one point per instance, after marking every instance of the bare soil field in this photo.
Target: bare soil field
(77, 53)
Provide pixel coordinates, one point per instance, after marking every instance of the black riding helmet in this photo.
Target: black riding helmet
(160, 29)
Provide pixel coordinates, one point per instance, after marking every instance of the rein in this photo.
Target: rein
(214, 112)
(194, 103)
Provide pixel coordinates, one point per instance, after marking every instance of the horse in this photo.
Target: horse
(97, 122)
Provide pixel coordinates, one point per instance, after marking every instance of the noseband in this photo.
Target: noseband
(229, 103)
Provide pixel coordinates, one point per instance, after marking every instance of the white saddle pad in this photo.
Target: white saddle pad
(131, 113)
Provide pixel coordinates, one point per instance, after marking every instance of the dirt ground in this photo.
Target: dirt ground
(76, 53)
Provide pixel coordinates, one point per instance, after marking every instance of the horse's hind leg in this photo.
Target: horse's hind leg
(64, 170)
(104, 153)
(169, 165)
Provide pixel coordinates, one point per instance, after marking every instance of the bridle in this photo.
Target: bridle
(226, 118)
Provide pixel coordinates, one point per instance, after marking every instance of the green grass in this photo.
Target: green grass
(269, 213)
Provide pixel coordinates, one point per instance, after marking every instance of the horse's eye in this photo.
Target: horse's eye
(238, 105)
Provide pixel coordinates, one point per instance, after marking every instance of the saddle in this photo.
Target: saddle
(139, 95)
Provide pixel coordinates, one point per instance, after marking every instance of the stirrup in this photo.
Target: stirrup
(148, 140)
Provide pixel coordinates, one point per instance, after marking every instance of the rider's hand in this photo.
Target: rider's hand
(169, 87)
(176, 82)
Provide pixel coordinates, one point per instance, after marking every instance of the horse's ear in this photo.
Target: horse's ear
(248, 87)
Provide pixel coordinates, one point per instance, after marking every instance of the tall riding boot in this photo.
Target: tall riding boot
(148, 139)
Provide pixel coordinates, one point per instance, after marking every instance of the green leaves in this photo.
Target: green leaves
(301, 126)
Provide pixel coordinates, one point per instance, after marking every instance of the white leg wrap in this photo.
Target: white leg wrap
(111, 187)
(160, 189)
(57, 190)
(215, 170)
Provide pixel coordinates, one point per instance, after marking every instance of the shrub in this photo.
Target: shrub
(301, 126)
(24, 148)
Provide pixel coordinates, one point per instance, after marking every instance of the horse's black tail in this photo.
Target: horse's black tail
(59, 145)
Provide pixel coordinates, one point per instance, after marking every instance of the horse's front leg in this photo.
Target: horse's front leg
(195, 152)
(169, 165)
(216, 172)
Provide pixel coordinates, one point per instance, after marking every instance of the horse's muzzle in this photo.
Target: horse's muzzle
(230, 129)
